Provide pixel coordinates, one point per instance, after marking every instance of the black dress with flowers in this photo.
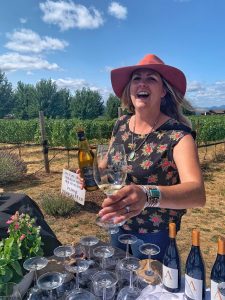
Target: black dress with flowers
(153, 165)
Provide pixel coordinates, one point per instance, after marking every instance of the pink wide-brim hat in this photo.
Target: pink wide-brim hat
(175, 77)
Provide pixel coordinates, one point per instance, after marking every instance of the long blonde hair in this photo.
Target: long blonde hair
(171, 104)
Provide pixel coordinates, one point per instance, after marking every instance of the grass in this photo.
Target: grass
(210, 220)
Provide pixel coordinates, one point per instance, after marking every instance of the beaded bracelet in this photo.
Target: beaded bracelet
(153, 195)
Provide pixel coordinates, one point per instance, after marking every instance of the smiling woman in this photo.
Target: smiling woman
(164, 177)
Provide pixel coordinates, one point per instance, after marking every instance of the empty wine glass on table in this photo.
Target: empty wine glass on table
(77, 266)
(104, 252)
(64, 252)
(127, 239)
(50, 281)
(130, 292)
(80, 295)
(34, 264)
(110, 172)
(104, 284)
(150, 250)
(89, 241)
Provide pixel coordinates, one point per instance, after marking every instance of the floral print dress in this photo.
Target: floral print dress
(153, 165)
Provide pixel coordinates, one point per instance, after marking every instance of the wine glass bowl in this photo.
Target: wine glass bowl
(104, 284)
(50, 281)
(127, 239)
(89, 241)
(64, 251)
(103, 252)
(77, 266)
(80, 295)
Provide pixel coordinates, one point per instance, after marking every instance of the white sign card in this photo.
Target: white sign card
(71, 186)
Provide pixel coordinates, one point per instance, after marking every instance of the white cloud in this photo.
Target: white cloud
(23, 20)
(206, 95)
(26, 40)
(15, 61)
(117, 10)
(74, 84)
(67, 14)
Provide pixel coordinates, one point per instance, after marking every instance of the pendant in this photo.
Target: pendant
(131, 156)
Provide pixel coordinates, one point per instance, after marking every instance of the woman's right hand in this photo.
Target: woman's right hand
(80, 178)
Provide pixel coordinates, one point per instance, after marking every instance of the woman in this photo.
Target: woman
(164, 177)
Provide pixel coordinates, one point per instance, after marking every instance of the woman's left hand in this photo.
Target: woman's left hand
(126, 203)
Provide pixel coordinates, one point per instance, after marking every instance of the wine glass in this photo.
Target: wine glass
(9, 290)
(103, 252)
(34, 264)
(131, 264)
(110, 172)
(89, 241)
(64, 252)
(50, 281)
(127, 239)
(150, 250)
(104, 284)
(77, 266)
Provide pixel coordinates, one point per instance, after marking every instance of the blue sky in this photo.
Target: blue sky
(77, 43)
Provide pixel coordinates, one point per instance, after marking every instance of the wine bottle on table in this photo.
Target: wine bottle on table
(195, 270)
(218, 271)
(85, 161)
(171, 263)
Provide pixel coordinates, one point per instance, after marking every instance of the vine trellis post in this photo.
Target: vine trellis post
(44, 141)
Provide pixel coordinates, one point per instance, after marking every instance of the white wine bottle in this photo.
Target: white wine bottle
(171, 263)
(85, 162)
(195, 270)
(218, 271)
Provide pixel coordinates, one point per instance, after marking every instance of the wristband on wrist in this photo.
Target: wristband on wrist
(153, 195)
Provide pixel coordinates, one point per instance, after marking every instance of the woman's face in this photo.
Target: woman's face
(146, 89)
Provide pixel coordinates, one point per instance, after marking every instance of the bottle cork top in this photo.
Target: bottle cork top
(221, 245)
(172, 230)
(195, 237)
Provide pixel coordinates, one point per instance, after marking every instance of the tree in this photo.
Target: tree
(6, 96)
(26, 104)
(112, 105)
(87, 104)
(61, 105)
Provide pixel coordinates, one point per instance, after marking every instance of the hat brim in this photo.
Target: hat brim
(121, 76)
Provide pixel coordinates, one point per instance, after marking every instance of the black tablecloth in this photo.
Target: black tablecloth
(12, 202)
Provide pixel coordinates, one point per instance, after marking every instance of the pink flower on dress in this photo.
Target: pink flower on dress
(146, 164)
(169, 175)
(152, 179)
(148, 149)
(176, 135)
(140, 221)
(162, 148)
(126, 227)
(125, 136)
(142, 230)
(156, 219)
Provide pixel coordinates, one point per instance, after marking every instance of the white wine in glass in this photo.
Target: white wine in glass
(110, 172)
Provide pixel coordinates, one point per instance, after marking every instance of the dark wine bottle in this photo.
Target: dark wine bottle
(85, 162)
(218, 271)
(195, 270)
(171, 263)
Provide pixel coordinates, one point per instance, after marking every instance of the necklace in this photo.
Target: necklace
(132, 154)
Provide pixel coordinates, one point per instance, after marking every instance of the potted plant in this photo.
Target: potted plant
(24, 241)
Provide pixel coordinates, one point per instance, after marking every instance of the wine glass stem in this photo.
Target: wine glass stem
(89, 253)
(35, 277)
(127, 250)
(149, 264)
(50, 295)
(131, 279)
(77, 281)
(104, 293)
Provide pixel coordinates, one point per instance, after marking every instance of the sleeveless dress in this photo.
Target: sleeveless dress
(153, 165)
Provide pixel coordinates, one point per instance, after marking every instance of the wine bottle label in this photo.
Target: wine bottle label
(88, 176)
(215, 294)
(193, 287)
(170, 277)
